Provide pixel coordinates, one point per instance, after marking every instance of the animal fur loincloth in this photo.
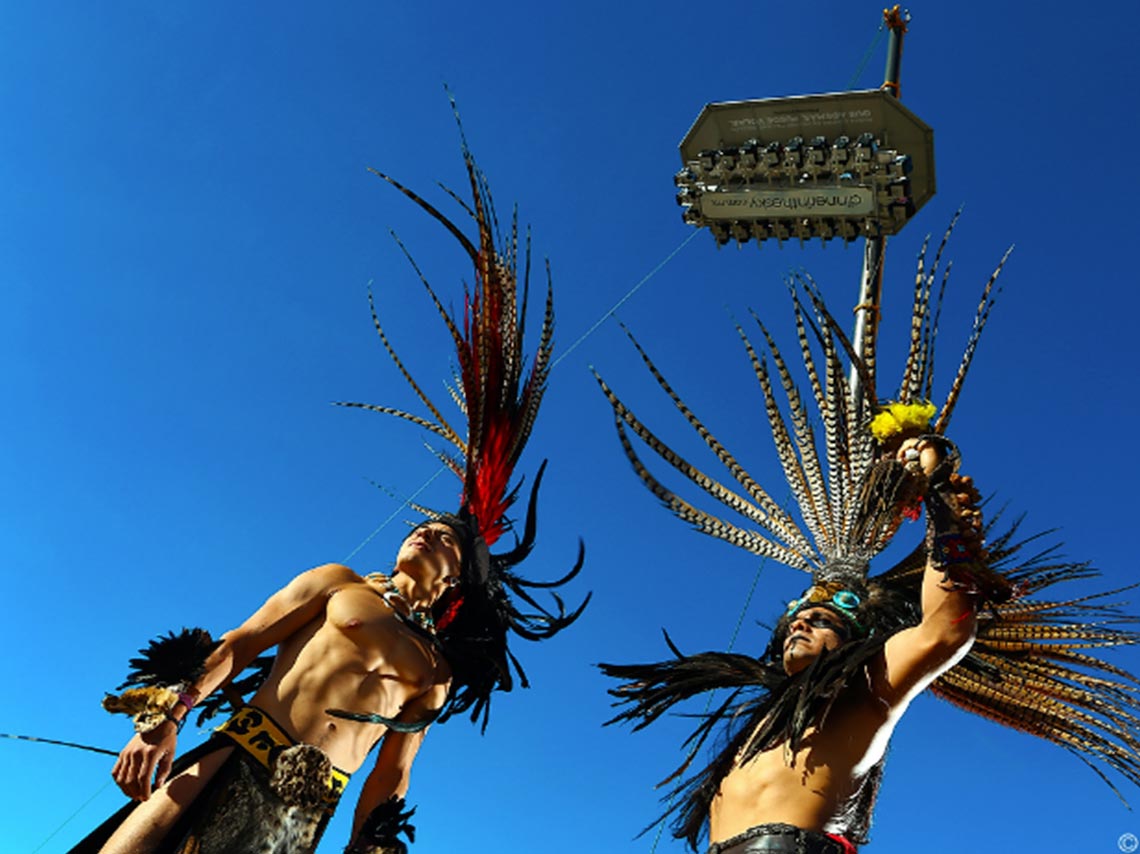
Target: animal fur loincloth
(245, 808)
(242, 814)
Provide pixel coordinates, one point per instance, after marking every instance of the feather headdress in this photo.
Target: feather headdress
(499, 396)
(848, 511)
(1034, 665)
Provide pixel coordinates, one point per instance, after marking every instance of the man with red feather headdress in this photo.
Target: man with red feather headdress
(361, 660)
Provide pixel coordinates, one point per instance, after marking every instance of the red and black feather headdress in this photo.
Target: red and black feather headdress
(499, 393)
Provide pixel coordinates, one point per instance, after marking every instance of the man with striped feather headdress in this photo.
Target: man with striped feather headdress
(361, 661)
(806, 724)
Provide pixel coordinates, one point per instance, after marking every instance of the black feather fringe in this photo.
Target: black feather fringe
(170, 660)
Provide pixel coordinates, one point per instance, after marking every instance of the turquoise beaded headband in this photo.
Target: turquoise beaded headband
(844, 602)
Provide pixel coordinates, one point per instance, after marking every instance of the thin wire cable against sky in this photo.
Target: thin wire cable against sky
(67, 820)
(853, 82)
(628, 295)
(395, 513)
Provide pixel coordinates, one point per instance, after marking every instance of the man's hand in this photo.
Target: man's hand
(147, 756)
(921, 452)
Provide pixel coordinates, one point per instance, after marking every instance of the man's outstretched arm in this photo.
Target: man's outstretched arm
(148, 755)
(915, 657)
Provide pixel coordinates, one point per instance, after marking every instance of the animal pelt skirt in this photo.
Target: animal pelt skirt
(781, 839)
(266, 798)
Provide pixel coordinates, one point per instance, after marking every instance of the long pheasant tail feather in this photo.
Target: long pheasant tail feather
(514, 308)
(702, 521)
(431, 209)
(838, 426)
(813, 501)
(458, 199)
(932, 334)
(627, 419)
(841, 411)
(1036, 664)
(535, 386)
(452, 328)
(912, 370)
(765, 511)
(440, 427)
(1051, 720)
(919, 374)
(864, 368)
(1083, 735)
(453, 464)
(526, 276)
(455, 392)
(985, 305)
(407, 416)
(805, 344)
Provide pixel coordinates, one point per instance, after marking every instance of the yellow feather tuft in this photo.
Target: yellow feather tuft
(897, 418)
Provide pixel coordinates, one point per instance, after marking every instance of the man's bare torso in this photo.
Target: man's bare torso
(812, 788)
(358, 655)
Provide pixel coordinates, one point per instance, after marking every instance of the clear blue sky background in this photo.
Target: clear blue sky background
(188, 231)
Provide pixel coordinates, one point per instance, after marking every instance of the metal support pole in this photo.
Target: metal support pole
(871, 283)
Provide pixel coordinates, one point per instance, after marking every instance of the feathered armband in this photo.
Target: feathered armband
(381, 830)
(161, 676)
(955, 537)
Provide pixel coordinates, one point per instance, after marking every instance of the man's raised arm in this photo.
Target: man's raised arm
(915, 657)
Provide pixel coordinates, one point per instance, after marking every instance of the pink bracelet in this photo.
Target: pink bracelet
(187, 700)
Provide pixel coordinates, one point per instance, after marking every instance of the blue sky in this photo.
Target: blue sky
(189, 233)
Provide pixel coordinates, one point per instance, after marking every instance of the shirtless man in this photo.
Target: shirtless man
(810, 788)
(344, 642)
(814, 785)
(801, 772)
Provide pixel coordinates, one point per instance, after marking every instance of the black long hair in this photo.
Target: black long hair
(492, 600)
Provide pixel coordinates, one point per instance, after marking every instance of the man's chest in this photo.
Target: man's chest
(371, 632)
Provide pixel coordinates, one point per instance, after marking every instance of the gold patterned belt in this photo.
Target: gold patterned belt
(260, 736)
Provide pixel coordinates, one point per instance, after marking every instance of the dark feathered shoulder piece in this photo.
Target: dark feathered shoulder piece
(169, 664)
(170, 660)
